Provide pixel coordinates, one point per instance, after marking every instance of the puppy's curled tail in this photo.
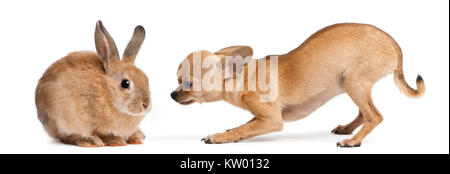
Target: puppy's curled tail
(399, 79)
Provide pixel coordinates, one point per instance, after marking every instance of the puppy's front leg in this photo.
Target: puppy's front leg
(267, 119)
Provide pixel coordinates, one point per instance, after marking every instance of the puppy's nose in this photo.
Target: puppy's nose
(174, 95)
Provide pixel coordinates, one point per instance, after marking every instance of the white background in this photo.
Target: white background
(34, 34)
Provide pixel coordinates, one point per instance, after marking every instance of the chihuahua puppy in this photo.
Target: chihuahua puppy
(342, 58)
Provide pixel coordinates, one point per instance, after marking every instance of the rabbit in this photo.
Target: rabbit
(95, 99)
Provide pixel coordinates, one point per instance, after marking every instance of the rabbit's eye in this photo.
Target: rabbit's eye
(125, 84)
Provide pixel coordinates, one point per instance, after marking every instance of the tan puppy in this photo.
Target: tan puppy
(342, 58)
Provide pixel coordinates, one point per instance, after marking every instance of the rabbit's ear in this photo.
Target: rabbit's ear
(106, 48)
(134, 45)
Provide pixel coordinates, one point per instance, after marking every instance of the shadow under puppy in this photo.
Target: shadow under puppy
(342, 58)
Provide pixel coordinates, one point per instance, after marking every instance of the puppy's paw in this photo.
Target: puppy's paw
(90, 142)
(220, 138)
(114, 141)
(348, 143)
(341, 130)
(208, 140)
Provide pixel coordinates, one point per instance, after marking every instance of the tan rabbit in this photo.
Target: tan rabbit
(95, 99)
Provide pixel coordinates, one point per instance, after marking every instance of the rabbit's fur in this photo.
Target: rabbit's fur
(80, 99)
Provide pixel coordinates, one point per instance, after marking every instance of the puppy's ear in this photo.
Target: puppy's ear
(134, 45)
(243, 51)
(233, 59)
(105, 45)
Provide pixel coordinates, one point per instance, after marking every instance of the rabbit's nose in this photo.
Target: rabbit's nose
(146, 103)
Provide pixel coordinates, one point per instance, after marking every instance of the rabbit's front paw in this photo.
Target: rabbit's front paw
(137, 138)
(114, 141)
(90, 142)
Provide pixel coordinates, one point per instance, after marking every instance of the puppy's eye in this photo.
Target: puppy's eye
(187, 84)
(125, 84)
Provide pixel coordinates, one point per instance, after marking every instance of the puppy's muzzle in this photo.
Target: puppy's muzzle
(174, 95)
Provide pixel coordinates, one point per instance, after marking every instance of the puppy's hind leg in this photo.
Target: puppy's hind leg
(360, 92)
(350, 127)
